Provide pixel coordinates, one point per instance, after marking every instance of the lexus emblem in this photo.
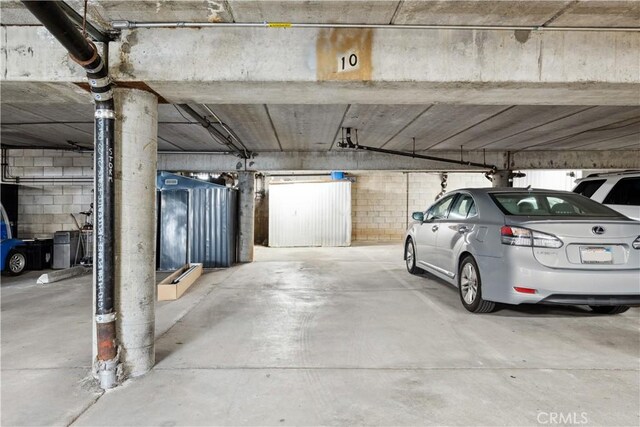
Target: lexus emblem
(598, 229)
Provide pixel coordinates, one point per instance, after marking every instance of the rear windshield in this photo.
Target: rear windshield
(550, 204)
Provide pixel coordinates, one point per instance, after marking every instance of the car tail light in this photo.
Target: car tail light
(543, 240)
(524, 290)
(517, 236)
(636, 243)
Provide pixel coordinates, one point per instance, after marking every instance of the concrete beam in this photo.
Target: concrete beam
(596, 159)
(348, 160)
(315, 161)
(394, 66)
(395, 55)
(35, 68)
(32, 54)
(405, 92)
(17, 92)
(303, 65)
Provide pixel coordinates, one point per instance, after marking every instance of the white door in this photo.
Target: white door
(427, 233)
(310, 214)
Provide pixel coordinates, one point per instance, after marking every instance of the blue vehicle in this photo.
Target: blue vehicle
(13, 258)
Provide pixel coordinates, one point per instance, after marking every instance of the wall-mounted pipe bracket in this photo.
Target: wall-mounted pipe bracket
(103, 113)
(106, 318)
(102, 82)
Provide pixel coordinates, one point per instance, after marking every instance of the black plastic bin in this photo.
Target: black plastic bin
(39, 253)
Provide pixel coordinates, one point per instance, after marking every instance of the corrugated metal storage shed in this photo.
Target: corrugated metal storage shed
(310, 214)
(197, 222)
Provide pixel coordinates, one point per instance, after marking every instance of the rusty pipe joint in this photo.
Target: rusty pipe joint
(86, 62)
(107, 358)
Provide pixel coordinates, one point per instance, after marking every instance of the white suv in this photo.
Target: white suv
(618, 190)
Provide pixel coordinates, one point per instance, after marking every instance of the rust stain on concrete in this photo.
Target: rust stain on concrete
(344, 54)
(129, 85)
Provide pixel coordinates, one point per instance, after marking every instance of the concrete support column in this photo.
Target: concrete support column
(135, 174)
(261, 234)
(246, 184)
(503, 179)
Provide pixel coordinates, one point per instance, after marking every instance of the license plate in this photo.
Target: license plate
(596, 255)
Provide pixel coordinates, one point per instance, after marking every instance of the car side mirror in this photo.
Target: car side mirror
(418, 216)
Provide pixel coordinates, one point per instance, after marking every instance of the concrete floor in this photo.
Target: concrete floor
(322, 336)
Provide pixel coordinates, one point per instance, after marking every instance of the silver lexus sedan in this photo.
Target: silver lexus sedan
(514, 246)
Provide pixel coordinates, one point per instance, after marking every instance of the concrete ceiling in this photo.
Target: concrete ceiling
(598, 13)
(277, 127)
(317, 127)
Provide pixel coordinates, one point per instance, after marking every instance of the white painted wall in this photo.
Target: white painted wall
(562, 179)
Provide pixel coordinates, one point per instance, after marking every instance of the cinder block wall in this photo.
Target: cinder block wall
(383, 202)
(378, 206)
(45, 207)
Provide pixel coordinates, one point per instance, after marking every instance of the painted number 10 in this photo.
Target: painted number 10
(348, 62)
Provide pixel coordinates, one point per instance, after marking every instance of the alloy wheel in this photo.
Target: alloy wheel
(469, 283)
(409, 256)
(17, 263)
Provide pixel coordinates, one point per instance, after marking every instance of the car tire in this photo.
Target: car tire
(609, 309)
(470, 287)
(410, 257)
(16, 262)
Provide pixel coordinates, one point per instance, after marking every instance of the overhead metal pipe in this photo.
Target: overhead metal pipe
(97, 34)
(123, 24)
(347, 142)
(231, 133)
(422, 156)
(51, 15)
(85, 53)
(222, 153)
(219, 136)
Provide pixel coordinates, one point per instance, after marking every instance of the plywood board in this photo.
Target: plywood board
(168, 291)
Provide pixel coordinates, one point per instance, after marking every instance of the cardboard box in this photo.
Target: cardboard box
(168, 291)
